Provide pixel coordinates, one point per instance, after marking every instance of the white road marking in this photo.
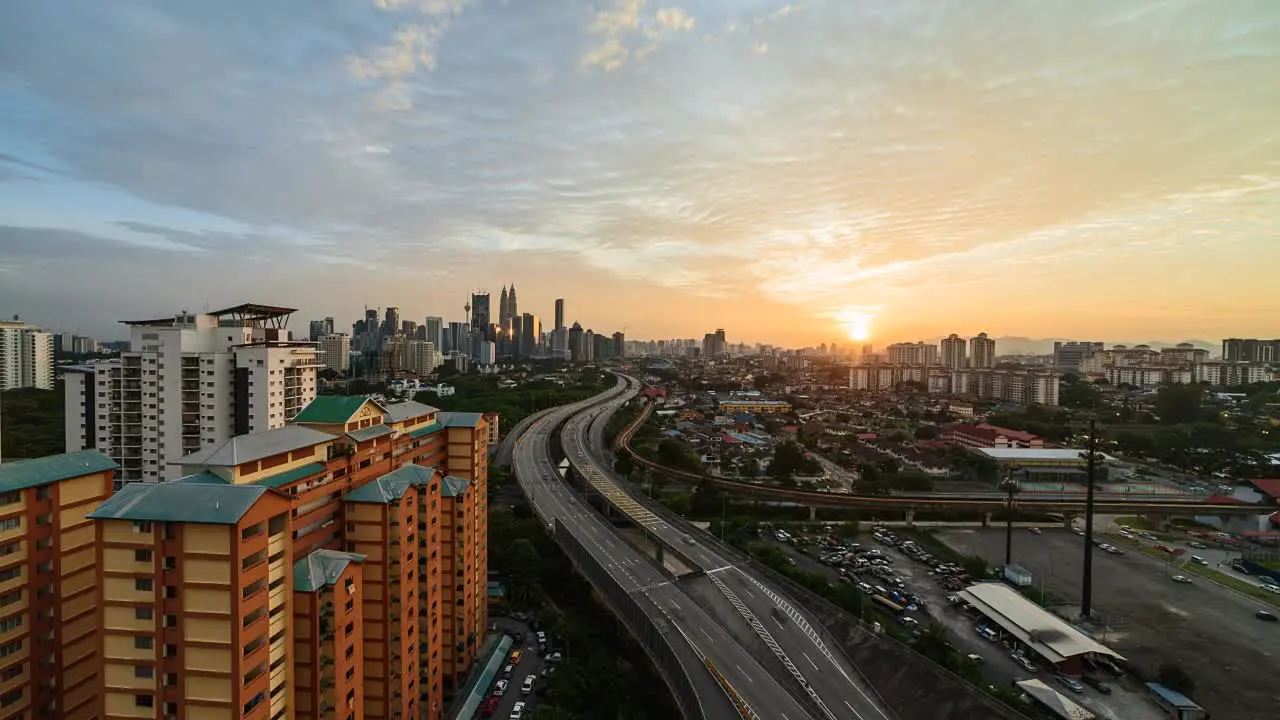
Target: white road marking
(744, 672)
(704, 632)
(811, 662)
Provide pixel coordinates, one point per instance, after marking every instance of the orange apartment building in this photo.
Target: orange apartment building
(333, 568)
(49, 664)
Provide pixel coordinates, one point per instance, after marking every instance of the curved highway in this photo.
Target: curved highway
(698, 641)
(747, 605)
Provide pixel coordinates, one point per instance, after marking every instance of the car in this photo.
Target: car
(1265, 616)
(555, 657)
(506, 671)
(527, 686)
(517, 711)
(1096, 684)
(1035, 531)
(500, 689)
(1199, 560)
(1197, 545)
(1078, 531)
(1270, 588)
(975, 658)
(1024, 662)
(489, 707)
(688, 540)
(1181, 579)
(1068, 683)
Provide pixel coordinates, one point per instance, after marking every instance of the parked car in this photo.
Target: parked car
(500, 689)
(1096, 684)
(1024, 662)
(1035, 530)
(1069, 683)
(517, 712)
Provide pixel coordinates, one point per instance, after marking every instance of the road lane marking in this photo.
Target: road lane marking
(811, 662)
(744, 672)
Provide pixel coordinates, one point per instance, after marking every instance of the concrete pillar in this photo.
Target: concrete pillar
(659, 552)
(911, 518)
(813, 513)
(986, 520)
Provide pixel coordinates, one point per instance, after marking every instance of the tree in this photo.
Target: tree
(927, 432)
(1178, 404)
(624, 465)
(1173, 676)
(788, 459)
(1135, 443)
(676, 454)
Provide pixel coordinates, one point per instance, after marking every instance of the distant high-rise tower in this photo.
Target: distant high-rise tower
(530, 332)
(512, 307)
(982, 351)
(504, 308)
(953, 352)
(391, 323)
(480, 311)
(559, 314)
(435, 330)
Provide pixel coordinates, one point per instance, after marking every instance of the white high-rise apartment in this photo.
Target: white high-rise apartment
(335, 352)
(435, 330)
(919, 353)
(187, 382)
(26, 356)
(954, 354)
(982, 352)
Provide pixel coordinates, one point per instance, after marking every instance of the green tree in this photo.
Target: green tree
(624, 465)
(1178, 404)
(676, 454)
(927, 432)
(788, 459)
(1135, 443)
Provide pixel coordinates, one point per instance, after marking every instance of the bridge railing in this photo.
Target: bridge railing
(643, 623)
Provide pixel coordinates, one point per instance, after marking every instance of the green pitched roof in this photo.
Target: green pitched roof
(31, 473)
(369, 433)
(425, 430)
(288, 476)
(392, 486)
(202, 478)
(333, 409)
(460, 419)
(321, 568)
(451, 486)
(193, 502)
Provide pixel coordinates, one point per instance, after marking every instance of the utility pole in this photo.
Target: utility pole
(1086, 583)
(1010, 486)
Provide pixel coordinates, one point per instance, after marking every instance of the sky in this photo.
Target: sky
(794, 173)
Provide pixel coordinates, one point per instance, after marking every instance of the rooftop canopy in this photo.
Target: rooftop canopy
(1047, 634)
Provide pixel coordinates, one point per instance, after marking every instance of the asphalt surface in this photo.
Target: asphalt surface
(530, 664)
(830, 675)
(1212, 632)
(695, 633)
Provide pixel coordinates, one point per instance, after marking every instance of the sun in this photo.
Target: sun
(856, 322)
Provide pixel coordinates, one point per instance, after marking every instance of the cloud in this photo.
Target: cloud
(904, 156)
(628, 21)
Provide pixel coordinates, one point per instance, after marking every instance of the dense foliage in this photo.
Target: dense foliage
(33, 423)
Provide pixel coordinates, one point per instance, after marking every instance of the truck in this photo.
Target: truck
(1017, 575)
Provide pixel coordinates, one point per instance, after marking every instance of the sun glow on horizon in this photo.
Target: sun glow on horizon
(856, 322)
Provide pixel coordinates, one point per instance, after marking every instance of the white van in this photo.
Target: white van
(988, 633)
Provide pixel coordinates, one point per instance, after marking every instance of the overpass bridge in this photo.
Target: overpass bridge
(980, 502)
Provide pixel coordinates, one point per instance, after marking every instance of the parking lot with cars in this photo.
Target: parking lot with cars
(1149, 618)
(885, 560)
(533, 658)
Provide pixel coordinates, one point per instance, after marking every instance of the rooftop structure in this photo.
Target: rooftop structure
(1045, 634)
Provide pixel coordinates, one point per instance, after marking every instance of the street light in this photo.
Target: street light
(1011, 486)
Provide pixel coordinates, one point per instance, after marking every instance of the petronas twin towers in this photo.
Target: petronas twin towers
(507, 308)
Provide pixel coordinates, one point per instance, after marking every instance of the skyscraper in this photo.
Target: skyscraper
(953, 352)
(435, 330)
(982, 352)
(504, 308)
(559, 314)
(480, 318)
(391, 324)
(513, 308)
(530, 331)
(26, 356)
(619, 345)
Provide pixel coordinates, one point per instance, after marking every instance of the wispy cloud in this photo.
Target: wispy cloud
(628, 21)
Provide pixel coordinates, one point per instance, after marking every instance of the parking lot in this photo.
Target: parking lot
(1232, 656)
(1126, 702)
(531, 664)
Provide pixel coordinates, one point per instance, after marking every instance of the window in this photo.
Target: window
(142, 526)
(144, 701)
(10, 598)
(10, 648)
(10, 498)
(10, 623)
(11, 697)
(144, 584)
(142, 642)
(144, 671)
(143, 613)
(10, 573)
(10, 548)
(142, 556)
(10, 523)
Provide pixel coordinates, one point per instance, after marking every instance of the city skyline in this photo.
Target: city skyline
(795, 173)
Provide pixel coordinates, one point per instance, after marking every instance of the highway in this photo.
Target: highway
(697, 637)
(754, 611)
